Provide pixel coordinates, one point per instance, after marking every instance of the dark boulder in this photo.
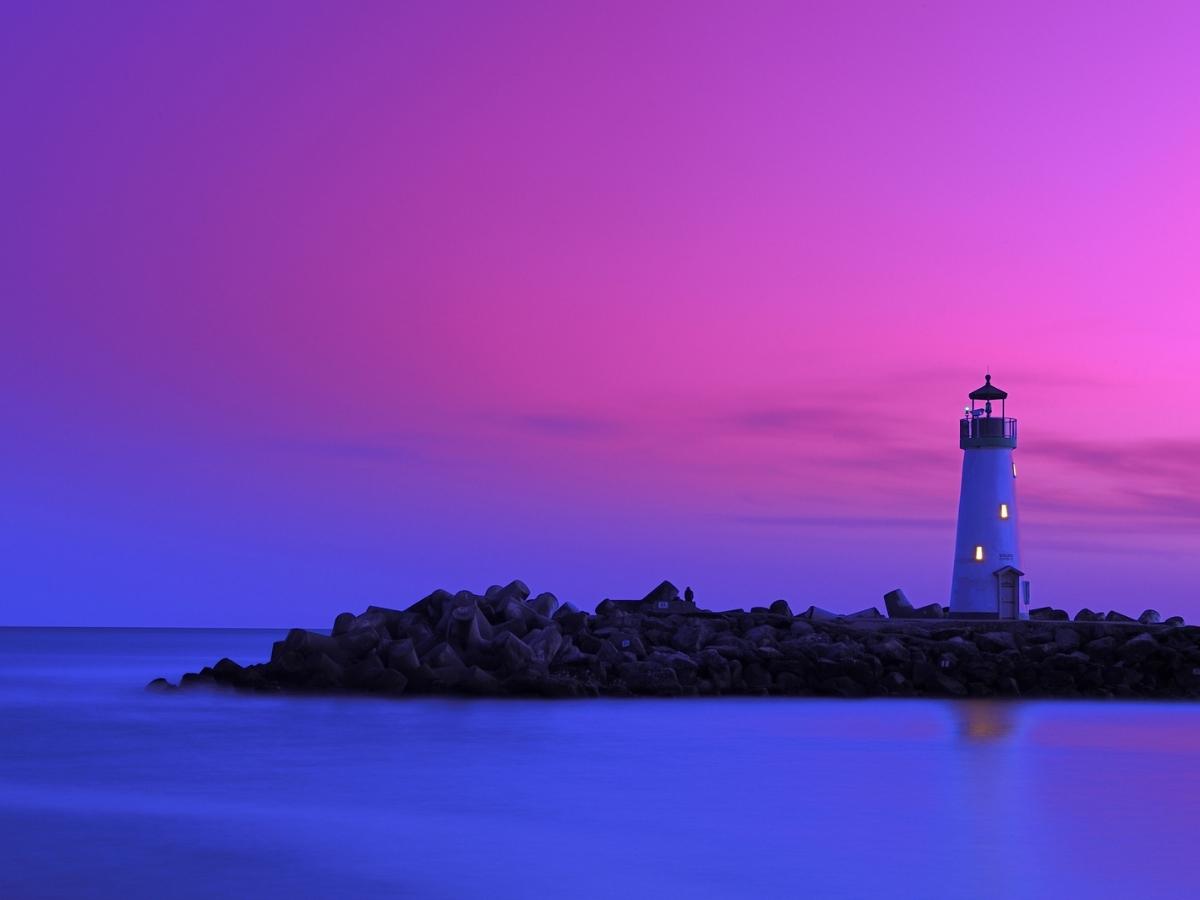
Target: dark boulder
(608, 654)
(565, 608)
(515, 590)
(924, 674)
(569, 655)
(588, 642)
(788, 684)
(544, 643)
(356, 643)
(1049, 613)
(1007, 686)
(1056, 680)
(649, 678)
(391, 683)
(1086, 615)
(325, 674)
(449, 678)
(897, 605)
(1150, 617)
(422, 636)
(385, 622)
(1100, 646)
(756, 677)
(1137, 648)
(762, 634)
(958, 645)
(842, 686)
(513, 626)
(442, 656)
(717, 669)
(1175, 621)
(680, 662)
(401, 656)
(467, 628)
(570, 620)
(203, 678)
(1038, 634)
(891, 651)
(817, 614)
(252, 677)
(1066, 639)
(311, 643)
(544, 604)
(365, 674)
(929, 611)
(1114, 616)
(996, 641)
(430, 606)
(781, 608)
(894, 682)
(476, 682)
(607, 607)
(517, 611)
(226, 671)
(513, 653)
(948, 684)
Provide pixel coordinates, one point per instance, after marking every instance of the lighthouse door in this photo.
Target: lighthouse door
(1008, 578)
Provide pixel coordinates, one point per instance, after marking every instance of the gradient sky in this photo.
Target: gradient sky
(307, 308)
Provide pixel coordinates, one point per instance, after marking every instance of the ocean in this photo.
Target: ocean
(107, 790)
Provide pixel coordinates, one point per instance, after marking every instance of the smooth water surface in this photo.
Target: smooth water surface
(109, 791)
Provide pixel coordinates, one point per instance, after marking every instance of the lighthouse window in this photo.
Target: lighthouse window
(1004, 510)
(979, 553)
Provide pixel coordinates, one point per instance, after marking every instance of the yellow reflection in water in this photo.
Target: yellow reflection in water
(983, 720)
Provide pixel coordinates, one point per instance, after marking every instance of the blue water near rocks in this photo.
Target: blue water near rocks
(109, 791)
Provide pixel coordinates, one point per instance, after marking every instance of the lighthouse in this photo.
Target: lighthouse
(988, 582)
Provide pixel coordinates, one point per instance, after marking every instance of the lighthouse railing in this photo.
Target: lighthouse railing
(985, 431)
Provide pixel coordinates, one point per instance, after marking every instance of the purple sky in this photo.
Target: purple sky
(306, 309)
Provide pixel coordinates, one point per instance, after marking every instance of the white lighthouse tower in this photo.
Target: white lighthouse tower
(988, 581)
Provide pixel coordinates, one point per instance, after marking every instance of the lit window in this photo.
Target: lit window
(1004, 510)
(1014, 470)
(979, 553)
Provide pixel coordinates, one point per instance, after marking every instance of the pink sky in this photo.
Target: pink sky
(306, 309)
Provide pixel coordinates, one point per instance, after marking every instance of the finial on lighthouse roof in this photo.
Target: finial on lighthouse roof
(988, 391)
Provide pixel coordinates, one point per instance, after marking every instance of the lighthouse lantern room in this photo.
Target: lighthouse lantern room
(988, 582)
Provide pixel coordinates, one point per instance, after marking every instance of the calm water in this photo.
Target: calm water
(107, 791)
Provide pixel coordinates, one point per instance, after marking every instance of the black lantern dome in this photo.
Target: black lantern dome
(988, 392)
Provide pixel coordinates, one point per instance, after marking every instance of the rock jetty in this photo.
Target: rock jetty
(505, 643)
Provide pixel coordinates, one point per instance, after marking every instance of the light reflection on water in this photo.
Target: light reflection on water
(982, 720)
(106, 790)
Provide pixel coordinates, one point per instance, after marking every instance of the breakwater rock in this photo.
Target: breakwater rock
(505, 643)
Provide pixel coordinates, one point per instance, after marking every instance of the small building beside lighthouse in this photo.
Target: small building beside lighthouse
(988, 582)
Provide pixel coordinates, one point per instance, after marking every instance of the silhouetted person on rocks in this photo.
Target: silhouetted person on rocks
(688, 594)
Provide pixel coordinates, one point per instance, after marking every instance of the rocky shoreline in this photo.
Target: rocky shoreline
(505, 644)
